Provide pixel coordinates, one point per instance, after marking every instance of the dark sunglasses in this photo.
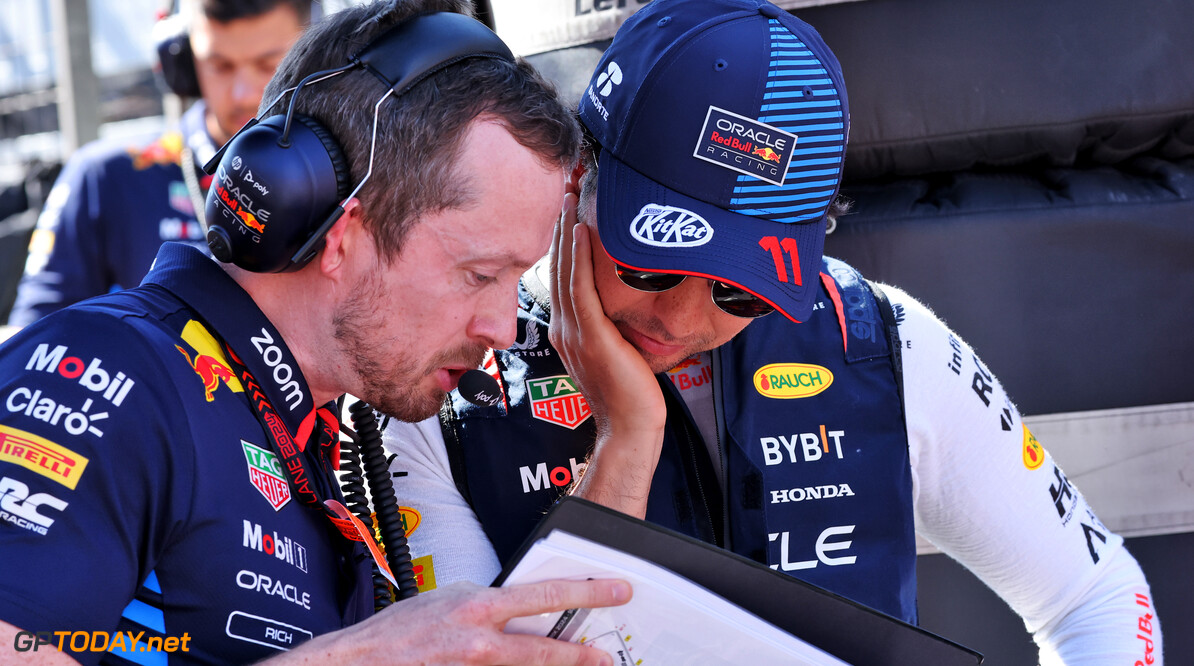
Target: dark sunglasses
(730, 299)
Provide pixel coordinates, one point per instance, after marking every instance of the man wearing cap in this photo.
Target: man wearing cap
(708, 370)
(167, 452)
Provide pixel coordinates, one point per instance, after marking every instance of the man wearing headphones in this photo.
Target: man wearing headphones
(167, 452)
(708, 370)
(115, 203)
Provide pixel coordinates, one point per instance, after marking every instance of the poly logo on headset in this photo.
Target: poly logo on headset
(668, 226)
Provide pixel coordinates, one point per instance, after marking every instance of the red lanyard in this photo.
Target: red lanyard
(298, 474)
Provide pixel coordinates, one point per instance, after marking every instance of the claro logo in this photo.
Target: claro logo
(792, 380)
(668, 226)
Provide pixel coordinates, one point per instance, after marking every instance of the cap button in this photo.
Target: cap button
(769, 10)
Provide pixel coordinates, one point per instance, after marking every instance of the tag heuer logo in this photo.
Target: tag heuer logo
(265, 473)
(556, 400)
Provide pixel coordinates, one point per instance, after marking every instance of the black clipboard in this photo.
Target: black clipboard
(846, 629)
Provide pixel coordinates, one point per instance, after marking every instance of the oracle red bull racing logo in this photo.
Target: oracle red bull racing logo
(745, 145)
(557, 400)
(239, 203)
(208, 362)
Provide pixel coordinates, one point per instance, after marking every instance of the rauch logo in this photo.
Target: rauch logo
(792, 380)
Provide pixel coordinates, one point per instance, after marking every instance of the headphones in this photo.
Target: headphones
(280, 183)
(176, 62)
(171, 36)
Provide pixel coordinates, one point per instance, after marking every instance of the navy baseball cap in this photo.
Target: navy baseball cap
(722, 126)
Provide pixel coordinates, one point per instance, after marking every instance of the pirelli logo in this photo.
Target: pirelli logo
(42, 456)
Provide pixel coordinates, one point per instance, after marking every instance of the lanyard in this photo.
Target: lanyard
(290, 450)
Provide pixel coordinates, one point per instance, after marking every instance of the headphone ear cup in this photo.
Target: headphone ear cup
(269, 197)
(176, 61)
(335, 154)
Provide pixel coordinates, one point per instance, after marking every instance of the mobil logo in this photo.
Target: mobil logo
(271, 543)
(791, 380)
(668, 226)
(91, 375)
(541, 478)
(556, 400)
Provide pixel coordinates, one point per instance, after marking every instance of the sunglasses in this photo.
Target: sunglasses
(728, 298)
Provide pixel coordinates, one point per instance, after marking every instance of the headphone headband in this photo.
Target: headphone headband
(282, 186)
(417, 48)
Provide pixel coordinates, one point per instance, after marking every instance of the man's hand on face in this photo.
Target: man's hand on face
(627, 403)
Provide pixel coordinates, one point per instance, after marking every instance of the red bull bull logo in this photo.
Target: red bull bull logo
(250, 220)
(208, 362)
(163, 151)
(767, 154)
(240, 204)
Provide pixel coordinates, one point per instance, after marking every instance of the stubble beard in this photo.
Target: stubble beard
(654, 327)
(396, 386)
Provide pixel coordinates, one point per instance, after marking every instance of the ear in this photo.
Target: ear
(572, 185)
(342, 240)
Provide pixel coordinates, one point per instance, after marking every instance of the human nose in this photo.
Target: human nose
(686, 309)
(246, 88)
(496, 322)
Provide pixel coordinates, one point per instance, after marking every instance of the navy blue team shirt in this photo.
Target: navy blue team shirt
(138, 490)
(109, 211)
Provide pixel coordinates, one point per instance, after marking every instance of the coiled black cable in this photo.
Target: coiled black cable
(352, 484)
(381, 484)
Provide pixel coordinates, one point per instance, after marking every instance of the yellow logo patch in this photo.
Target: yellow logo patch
(42, 456)
(1032, 451)
(792, 380)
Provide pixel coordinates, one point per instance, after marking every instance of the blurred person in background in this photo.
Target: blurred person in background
(116, 202)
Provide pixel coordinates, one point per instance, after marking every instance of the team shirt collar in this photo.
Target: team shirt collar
(231, 314)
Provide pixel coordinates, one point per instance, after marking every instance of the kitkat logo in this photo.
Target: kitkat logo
(668, 226)
(792, 380)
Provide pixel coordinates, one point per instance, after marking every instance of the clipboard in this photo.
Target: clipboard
(846, 629)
